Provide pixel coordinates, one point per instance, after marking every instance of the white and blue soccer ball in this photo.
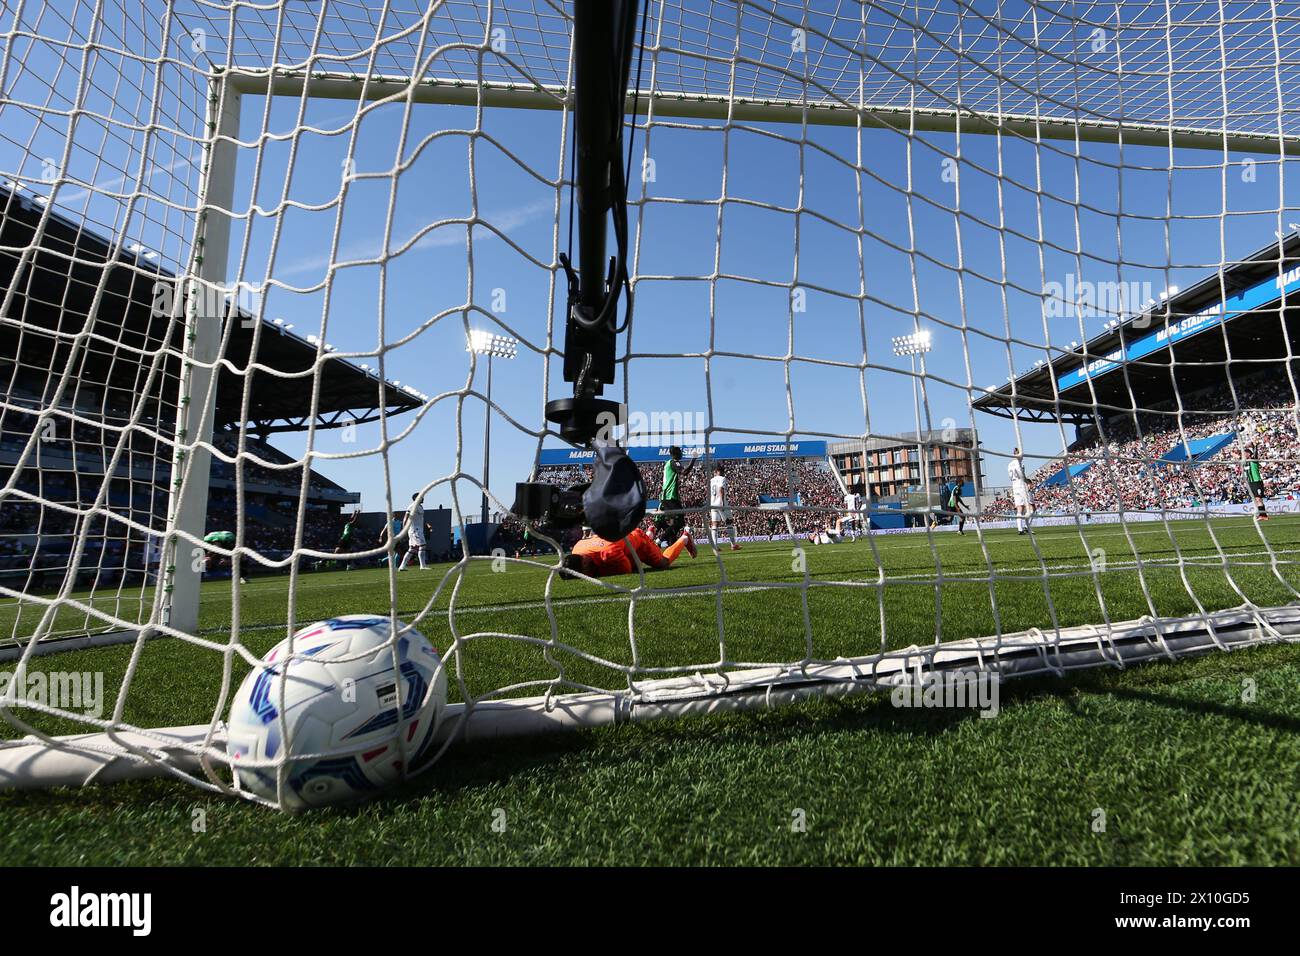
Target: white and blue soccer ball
(340, 702)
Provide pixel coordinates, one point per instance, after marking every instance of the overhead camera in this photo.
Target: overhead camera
(611, 504)
(554, 505)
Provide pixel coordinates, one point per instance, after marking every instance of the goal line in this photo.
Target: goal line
(131, 753)
(819, 214)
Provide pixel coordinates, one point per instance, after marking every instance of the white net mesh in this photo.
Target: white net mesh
(1020, 188)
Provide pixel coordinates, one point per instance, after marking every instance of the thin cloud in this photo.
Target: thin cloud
(504, 221)
(115, 185)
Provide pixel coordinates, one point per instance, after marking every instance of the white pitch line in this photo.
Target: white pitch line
(1093, 533)
(885, 543)
(710, 590)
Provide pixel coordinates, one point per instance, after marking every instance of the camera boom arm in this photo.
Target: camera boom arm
(614, 501)
(604, 34)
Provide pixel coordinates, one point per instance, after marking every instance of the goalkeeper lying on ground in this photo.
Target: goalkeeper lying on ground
(598, 558)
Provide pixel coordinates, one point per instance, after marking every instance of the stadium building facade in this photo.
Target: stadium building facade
(890, 465)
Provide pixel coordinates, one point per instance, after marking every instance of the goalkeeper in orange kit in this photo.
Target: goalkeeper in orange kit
(597, 558)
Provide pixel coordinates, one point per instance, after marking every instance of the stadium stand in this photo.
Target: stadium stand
(92, 470)
(1225, 346)
(36, 539)
(807, 481)
(1141, 463)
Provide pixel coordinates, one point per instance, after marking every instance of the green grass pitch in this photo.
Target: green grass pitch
(1191, 762)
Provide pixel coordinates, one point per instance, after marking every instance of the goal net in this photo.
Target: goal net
(265, 265)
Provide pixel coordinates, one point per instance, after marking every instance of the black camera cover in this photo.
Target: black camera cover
(615, 502)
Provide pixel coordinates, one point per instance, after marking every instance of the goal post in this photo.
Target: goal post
(827, 181)
(192, 460)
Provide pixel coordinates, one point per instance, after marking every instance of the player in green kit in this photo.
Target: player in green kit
(1254, 479)
(670, 502)
(956, 506)
(345, 538)
(213, 562)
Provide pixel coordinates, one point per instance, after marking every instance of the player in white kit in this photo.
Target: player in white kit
(1020, 492)
(153, 556)
(851, 521)
(719, 512)
(414, 533)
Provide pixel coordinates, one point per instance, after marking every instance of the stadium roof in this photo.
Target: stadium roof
(1186, 343)
(46, 321)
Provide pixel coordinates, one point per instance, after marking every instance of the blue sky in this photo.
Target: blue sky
(790, 221)
(970, 314)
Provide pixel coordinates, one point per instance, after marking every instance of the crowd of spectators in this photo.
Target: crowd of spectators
(1127, 468)
(280, 472)
(37, 537)
(811, 492)
(270, 522)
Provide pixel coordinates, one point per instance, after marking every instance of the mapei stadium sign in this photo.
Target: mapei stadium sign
(719, 451)
(1248, 300)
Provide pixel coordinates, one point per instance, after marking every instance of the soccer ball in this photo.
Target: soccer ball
(340, 712)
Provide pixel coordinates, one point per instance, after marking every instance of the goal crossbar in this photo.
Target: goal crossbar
(720, 107)
(798, 245)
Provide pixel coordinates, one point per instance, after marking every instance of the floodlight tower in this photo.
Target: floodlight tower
(483, 342)
(918, 343)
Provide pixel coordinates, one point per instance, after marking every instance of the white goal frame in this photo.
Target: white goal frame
(217, 193)
(832, 112)
(184, 752)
